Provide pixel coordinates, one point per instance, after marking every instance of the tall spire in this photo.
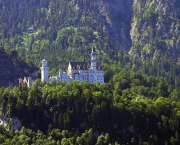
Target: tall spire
(93, 59)
(44, 71)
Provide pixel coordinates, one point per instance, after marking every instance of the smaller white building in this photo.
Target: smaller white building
(27, 81)
(91, 72)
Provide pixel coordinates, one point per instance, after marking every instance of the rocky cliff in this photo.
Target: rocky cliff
(118, 16)
(156, 27)
(11, 69)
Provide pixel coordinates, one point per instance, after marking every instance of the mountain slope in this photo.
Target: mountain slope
(66, 30)
(62, 30)
(156, 27)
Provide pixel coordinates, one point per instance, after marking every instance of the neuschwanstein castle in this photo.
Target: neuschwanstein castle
(91, 72)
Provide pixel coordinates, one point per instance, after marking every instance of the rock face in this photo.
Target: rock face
(156, 27)
(11, 69)
(118, 16)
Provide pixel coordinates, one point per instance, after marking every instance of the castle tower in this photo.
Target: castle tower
(44, 71)
(29, 83)
(93, 60)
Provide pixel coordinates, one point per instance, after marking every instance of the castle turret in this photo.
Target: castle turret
(93, 60)
(29, 83)
(44, 71)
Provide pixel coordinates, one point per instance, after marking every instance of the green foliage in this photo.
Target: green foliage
(83, 113)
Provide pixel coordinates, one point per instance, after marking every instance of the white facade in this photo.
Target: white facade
(44, 71)
(91, 72)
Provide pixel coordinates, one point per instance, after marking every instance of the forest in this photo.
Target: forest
(132, 108)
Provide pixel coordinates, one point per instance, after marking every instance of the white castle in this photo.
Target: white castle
(91, 72)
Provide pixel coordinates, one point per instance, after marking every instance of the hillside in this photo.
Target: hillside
(62, 30)
(13, 68)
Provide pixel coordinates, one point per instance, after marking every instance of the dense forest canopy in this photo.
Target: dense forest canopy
(132, 108)
(65, 30)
